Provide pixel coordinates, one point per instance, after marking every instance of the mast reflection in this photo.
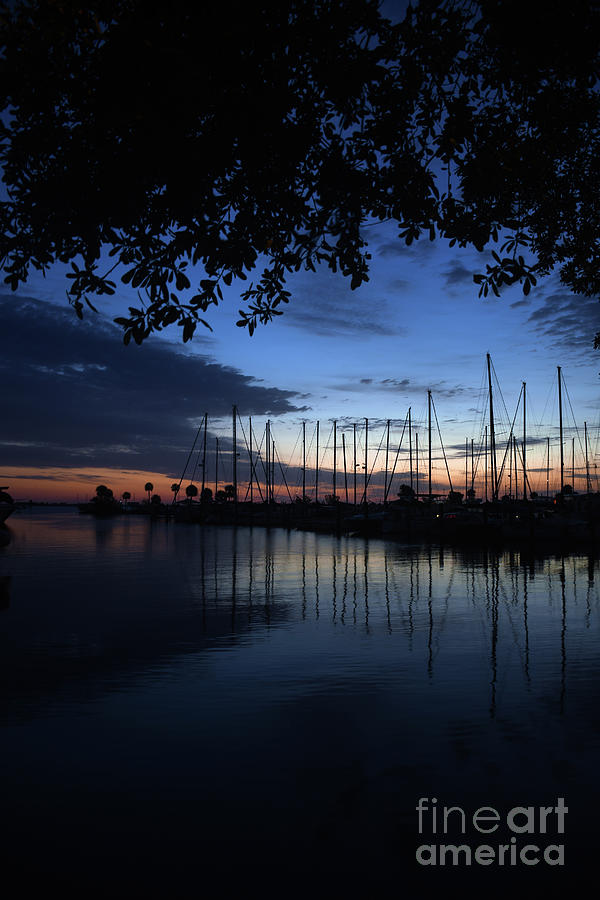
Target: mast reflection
(377, 588)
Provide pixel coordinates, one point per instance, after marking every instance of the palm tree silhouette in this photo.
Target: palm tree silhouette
(191, 491)
(149, 487)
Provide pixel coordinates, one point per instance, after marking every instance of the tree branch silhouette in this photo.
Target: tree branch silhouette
(195, 144)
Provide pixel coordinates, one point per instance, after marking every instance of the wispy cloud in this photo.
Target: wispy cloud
(391, 248)
(419, 251)
(326, 307)
(567, 320)
(519, 304)
(456, 274)
(399, 284)
(402, 386)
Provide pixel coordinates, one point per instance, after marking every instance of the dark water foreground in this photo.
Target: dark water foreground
(267, 708)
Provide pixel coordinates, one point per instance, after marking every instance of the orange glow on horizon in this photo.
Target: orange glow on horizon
(57, 485)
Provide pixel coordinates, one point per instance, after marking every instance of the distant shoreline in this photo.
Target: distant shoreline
(26, 504)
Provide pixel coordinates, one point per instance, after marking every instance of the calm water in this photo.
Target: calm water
(269, 706)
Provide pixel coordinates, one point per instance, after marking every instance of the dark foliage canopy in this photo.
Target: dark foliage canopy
(180, 146)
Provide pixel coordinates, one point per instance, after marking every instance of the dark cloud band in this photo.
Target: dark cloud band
(74, 395)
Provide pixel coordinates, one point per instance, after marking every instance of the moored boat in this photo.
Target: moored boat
(7, 505)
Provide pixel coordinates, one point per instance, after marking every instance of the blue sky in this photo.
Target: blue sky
(76, 402)
(81, 399)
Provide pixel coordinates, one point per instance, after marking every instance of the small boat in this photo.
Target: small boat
(7, 505)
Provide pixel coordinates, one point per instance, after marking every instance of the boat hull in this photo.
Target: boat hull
(6, 509)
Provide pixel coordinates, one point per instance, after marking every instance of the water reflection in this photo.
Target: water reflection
(329, 680)
(230, 582)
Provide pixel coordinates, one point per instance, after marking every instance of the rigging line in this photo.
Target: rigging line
(190, 455)
(552, 390)
(360, 451)
(299, 466)
(597, 428)
(326, 447)
(260, 456)
(389, 486)
(310, 443)
(510, 437)
(281, 465)
(520, 457)
(481, 405)
(477, 460)
(500, 392)
(577, 432)
(442, 445)
(481, 436)
(193, 478)
(376, 455)
(296, 444)
(309, 450)
(533, 442)
(252, 462)
(259, 446)
(257, 451)
(282, 472)
(243, 432)
(272, 458)
(257, 454)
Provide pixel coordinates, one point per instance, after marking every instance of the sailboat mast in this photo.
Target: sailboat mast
(387, 453)
(548, 467)
(345, 469)
(493, 464)
(366, 457)
(560, 427)
(317, 468)
(587, 462)
(510, 464)
(355, 463)
(235, 491)
(216, 467)
(273, 473)
(466, 466)
(429, 433)
(524, 441)
(334, 457)
(303, 461)
(573, 464)
(410, 458)
(204, 455)
(250, 455)
(485, 465)
(268, 460)
(417, 462)
(472, 466)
